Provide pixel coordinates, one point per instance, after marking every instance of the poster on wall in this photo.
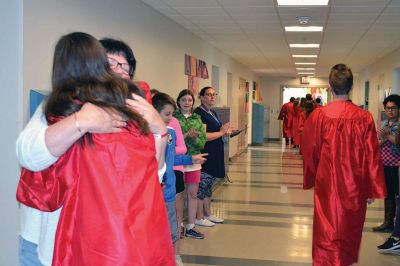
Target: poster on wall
(321, 93)
(202, 71)
(195, 69)
(257, 92)
(193, 85)
(190, 65)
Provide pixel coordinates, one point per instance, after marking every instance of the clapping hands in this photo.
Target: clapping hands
(383, 133)
(226, 129)
(192, 134)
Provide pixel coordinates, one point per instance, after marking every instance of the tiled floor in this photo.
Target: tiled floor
(268, 217)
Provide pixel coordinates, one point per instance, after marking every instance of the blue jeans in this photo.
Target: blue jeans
(27, 253)
(173, 225)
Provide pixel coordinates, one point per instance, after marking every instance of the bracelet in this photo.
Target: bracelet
(160, 136)
(77, 123)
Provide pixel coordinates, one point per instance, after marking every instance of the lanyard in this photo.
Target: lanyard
(211, 113)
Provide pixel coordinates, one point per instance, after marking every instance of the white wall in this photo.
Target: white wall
(159, 43)
(11, 122)
(271, 89)
(379, 75)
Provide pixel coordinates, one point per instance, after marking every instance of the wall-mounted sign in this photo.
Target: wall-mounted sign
(304, 80)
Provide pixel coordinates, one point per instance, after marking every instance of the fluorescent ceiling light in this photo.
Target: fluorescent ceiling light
(305, 55)
(305, 45)
(302, 2)
(304, 28)
(306, 73)
(304, 63)
(305, 68)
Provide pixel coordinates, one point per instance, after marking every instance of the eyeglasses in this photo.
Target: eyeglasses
(392, 108)
(211, 94)
(114, 64)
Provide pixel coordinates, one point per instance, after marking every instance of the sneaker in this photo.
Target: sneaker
(178, 260)
(391, 245)
(193, 233)
(183, 229)
(204, 222)
(383, 228)
(214, 219)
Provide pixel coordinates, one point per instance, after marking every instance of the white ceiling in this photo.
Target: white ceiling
(356, 32)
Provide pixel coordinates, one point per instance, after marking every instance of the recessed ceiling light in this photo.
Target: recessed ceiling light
(306, 73)
(304, 45)
(305, 68)
(304, 28)
(303, 2)
(305, 55)
(304, 63)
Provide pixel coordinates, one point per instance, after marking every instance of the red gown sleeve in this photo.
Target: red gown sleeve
(282, 113)
(46, 190)
(145, 87)
(311, 139)
(376, 178)
(302, 120)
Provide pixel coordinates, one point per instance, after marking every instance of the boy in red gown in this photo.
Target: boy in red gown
(286, 114)
(305, 113)
(342, 162)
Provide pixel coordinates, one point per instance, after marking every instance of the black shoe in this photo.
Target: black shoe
(383, 228)
(194, 234)
(391, 245)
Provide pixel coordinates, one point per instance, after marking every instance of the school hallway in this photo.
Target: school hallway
(268, 216)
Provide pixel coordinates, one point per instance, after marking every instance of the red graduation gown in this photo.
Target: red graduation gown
(295, 125)
(286, 114)
(342, 161)
(302, 120)
(145, 87)
(113, 208)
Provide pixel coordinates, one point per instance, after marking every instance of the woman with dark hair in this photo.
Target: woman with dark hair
(113, 211)
(195, 139)
(116, 50)
(214, 167)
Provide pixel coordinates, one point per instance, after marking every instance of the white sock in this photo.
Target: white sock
(190, 226)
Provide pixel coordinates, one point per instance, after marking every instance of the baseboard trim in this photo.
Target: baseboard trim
(272, 139)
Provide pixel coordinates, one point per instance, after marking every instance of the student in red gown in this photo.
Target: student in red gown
(342, 162)
(113, 209)
(297, 110)
(308, 107)
(286, 114)
(317, 103)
